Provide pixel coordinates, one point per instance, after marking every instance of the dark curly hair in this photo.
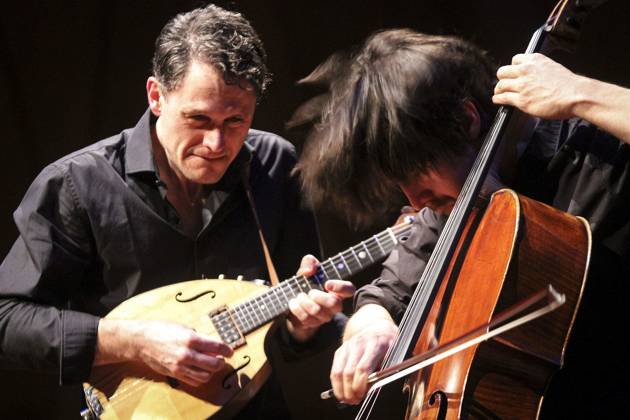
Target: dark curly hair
(221, 38)
(394, 108)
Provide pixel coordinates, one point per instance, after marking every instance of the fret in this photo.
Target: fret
(244, 319)
(343, 265)
(351, 264)
(280, 305)
(262, 306)
(332, 263)
(296, 286)
(253, 311)
(367, 251)
(236, 318)
(379, 245)
(391, 234)
(297, 282)
(319, 277)
(270, 305)
(325, 270)
(289, 284)
(245, 315)
(281, 288)
(305, 283)
(316, 279)
(356, 257)
(231, 317)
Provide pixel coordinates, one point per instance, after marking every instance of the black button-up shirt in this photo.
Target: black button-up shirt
(95, 229)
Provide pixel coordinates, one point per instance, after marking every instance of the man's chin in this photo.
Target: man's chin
(205, 177)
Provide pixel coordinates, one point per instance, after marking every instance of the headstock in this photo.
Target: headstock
(565, 22)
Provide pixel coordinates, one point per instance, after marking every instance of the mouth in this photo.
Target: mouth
(210, 156)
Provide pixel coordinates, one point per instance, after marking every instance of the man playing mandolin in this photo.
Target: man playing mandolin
(409, 111)
(157, 204)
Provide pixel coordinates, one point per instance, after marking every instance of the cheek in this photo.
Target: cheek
(453, 188)
(185, 139)
(235, 139)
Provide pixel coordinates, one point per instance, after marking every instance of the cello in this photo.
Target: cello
(470, 277)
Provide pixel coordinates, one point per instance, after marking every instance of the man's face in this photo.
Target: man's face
(201, 124)
(439, 187)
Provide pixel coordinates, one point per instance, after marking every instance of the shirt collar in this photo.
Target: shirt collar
(139, 151)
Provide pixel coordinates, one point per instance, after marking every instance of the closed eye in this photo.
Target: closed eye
(236, 120)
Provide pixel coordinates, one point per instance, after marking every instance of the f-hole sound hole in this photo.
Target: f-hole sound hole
(178, 296)
(234, 372)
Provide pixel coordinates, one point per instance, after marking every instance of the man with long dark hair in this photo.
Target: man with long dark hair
(408, 112)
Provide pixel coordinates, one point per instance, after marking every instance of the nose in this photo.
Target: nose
(214, 140)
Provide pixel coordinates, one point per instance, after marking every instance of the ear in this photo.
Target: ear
(154, 96)
(474, 120)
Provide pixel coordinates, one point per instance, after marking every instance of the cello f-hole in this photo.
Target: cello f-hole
(441, 399)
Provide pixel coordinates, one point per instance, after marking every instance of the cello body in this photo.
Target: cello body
(514, 248)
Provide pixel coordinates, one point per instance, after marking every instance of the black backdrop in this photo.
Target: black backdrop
(73, 72)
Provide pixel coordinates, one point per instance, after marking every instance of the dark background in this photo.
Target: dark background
(74, 72)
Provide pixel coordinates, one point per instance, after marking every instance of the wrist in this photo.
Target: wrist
(116, 341)
(370, 319)
(582, 100)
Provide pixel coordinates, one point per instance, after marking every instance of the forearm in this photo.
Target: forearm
(603, 104)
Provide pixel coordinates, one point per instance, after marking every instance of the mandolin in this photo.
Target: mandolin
(237, 312)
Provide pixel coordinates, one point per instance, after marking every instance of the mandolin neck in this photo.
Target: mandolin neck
(256, 312)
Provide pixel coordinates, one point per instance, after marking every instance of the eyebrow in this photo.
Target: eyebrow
(193, 111)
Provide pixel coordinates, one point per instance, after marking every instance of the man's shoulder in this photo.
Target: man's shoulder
(268, 145)
(106, 152)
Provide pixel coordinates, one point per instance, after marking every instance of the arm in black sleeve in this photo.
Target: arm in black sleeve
(404, 267)
(38, 278)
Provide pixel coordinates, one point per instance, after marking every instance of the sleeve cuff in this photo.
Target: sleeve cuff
(79, 337)
(328, 334)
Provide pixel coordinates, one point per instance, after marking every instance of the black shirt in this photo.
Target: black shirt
(95, 229)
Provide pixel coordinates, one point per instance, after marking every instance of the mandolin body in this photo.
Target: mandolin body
(133, 391)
